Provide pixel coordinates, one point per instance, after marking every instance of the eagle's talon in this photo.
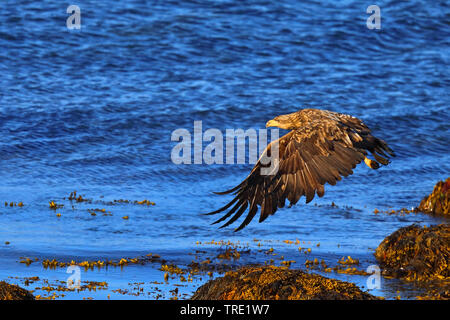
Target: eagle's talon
(371, 163)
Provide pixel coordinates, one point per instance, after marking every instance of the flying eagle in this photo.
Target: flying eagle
(321, 147)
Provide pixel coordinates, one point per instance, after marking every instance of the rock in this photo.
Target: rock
(416, 253)
(438, 202)
(277, 283)
(13, 292)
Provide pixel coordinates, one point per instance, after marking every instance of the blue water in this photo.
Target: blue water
(93, 110)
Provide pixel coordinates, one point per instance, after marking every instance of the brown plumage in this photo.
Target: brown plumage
(321, 147)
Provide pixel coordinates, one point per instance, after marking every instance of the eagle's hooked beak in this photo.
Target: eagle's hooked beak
(271, 123)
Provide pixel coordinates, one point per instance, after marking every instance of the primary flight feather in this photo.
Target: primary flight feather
(321, 147)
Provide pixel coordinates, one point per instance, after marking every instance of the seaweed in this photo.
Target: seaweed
(13, 292)
(438, 202)
(416, 253)
(278, 283)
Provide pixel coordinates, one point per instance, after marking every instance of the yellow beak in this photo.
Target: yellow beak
(271, 123)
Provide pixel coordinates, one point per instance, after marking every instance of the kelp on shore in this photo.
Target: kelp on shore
(416, 253)
(278, 283)
(14, 292)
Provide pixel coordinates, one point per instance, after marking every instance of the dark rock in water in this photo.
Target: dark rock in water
(438, 202)
(416, 253)
(13, 292)
(278, 283)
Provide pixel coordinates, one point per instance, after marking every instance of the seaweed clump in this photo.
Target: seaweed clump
(13, 292)
(277, 283)
(441, 293)
(416, 253)
(438, 202)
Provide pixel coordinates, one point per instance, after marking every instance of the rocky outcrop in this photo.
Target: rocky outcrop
(416, 253)
(438, 202)
(278, 283)
(13, 292)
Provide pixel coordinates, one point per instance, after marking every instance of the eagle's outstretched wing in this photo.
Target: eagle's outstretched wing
(310, 156)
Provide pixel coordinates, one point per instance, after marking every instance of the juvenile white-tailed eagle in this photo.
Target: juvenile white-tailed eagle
(321, 147)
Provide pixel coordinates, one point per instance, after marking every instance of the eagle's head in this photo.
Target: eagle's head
(285, 121)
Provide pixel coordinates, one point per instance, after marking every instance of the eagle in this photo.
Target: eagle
(321, 147)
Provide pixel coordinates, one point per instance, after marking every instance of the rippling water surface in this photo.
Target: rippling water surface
(93, 110)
